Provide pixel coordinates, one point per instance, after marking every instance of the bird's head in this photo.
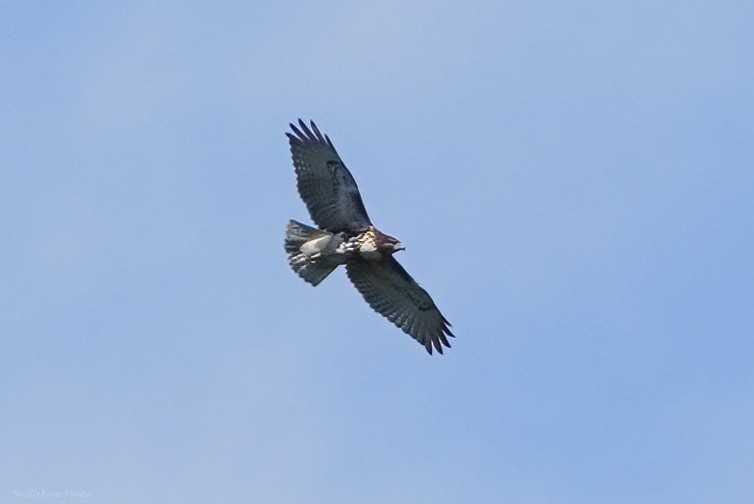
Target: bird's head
(387, 243)
(398, 246)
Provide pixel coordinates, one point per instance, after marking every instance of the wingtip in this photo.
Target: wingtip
(298, 135)
(308, 133)
(320, 137)
(436, 344)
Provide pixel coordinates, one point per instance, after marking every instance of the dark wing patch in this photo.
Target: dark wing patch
(324, 183)
(391, 291)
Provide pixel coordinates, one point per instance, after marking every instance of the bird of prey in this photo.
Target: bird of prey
(346, 236)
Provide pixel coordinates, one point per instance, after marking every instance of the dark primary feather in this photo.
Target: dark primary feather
(391, 291)
(324, 183)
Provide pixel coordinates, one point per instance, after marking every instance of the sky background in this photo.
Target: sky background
(574, 182)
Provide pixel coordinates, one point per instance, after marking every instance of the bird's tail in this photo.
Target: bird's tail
(296, 235)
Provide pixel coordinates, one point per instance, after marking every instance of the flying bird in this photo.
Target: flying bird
(346, 235)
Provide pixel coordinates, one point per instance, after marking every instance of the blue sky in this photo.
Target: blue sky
(573, 181)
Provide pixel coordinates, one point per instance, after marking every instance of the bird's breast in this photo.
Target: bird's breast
(367, 246)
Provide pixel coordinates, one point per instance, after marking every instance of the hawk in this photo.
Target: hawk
(346, 236)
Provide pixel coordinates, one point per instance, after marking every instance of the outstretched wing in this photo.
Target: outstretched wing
(324, 183)
(391, 291)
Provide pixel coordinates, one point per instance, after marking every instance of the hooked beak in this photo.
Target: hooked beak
(399, 246)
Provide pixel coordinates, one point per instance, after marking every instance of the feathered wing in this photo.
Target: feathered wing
(324, 183)
(391, 291)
